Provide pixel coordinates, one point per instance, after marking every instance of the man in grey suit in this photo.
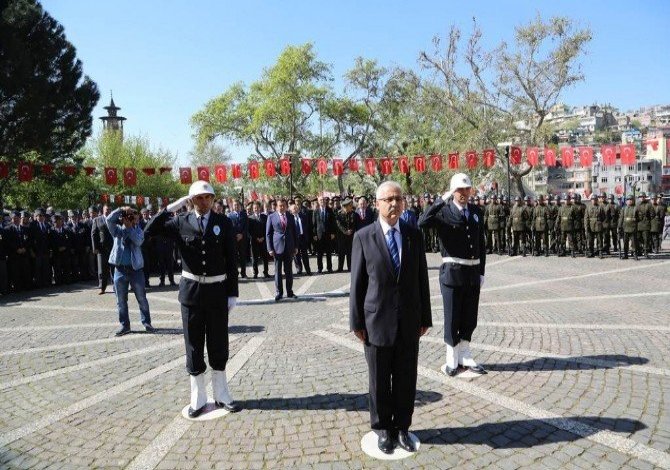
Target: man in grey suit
(102, 242)
(281, 241)
(389, 310)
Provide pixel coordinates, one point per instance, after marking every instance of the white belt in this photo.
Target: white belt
(466, 262)
(203, 279)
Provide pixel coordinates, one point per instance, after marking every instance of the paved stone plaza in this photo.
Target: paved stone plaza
(578, 353)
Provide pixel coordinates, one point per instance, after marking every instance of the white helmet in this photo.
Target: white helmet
(200, 187)
(459, 181)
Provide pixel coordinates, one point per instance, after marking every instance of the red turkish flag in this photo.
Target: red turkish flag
(165, 201)
(609, 154)
(420, 163)
(270, 168)
(149, 171)
(47, 169)
(220, 173)
(653, 144)
(285, 166)
(586, 156)
(25, 171)
(322, 166)
(533, 155)
(515, 155)
(4, 170)
(471, 159)
(69, 170)
(203, 173)
(306, 166)
(185, 175)
(567, 156)
(254, 169)
(549, 156)
(89, 170)
(236, 170)
(387, 166)
(627, 154)
(338, 166)
(140, 200)
(454, 160)
(403, 164)
(111, 177)
(436, 162)
(489, 158)
(165, 169)
(370, 166)
(104, 198)
(618, 189)
(118, 199)
(129, 177)
(353, 164)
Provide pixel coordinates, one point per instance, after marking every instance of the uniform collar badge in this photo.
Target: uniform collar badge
(217, 230)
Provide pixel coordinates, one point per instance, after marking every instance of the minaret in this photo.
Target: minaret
(112, 122)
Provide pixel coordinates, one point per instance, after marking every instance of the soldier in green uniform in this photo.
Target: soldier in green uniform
(602, 201)
(504, 226)
(645, 214)
(565, 221)
(628, 220)
(552, 212)
(613, 211)
(540, 224)
(517, 221)
(594, 220)
(528, 207)
(494, 216)
(657, 223)
(579, 235)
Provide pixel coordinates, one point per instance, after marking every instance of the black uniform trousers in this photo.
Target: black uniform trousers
(62, 264)
(43, 273)
(165, 262)
(461, 304)
(259, 252)
(302, 258)
(4, 277)
(283, 267)
(344, 243)
(392, 372)
(19, 271)
(105, 271)
(241, 247)
(205, 325)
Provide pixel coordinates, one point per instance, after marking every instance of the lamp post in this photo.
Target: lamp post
(506, 146)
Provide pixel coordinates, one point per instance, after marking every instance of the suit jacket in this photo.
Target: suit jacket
(257, 226)
(40, 239)
(240, 223)
(302, 240)
(100, 235)
(381, 303)
(323, 225)
(460, 238)
(360, 222)
(278, 238)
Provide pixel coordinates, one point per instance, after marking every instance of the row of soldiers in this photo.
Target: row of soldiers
(558, 225)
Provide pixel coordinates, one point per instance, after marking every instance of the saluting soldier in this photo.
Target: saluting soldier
(517, 221)
(540, 223)
(628, 221)
(346, 226)
(594, 221)
(208, 289)
(657, 223)
(565, 221)
(645, 215)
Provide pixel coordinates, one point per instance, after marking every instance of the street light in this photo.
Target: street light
(507, 146)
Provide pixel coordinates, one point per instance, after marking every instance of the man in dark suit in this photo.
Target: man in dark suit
(259, 250)
(102, 247)
(208, 289)
(302, 239)
(61, 240)
(389, 310)
(364, 214)
(40, 249)
(281, 243)
(18, 241)
(460, 228)
(238, 216)
(323, 233)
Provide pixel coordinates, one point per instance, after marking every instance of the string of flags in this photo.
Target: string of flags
(566, 156)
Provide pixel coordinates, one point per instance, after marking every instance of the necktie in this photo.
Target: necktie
(282, 219)
(393, 249)
(298, 227)
(201, 223)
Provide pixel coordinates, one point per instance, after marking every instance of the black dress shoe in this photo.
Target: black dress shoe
(149, 328)
(385, 441)
(291, 296)
(451, 372)
(195, 413)
(477, 370)
(405, 442)
(266, 276)
(161, 284)
(122, 331)
(231, 407)
(278, 297)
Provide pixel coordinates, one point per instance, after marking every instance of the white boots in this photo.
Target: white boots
(220, 387)
(460, 355)
(453, 356)
(466, 355)
(222, 397)
(198, 393)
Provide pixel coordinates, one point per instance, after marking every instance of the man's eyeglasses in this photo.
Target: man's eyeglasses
(392, 198)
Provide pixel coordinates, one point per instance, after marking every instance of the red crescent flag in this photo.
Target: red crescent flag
(322, 166)
(129, 177)
(533, 155)
(220, 173)
(104, 198)
(436, 162)
(515, 156)
(353, 164)
(489, 158)
(140, 200)
(4, 170)
(549, 156)
(403, 164)
(47, 169)
(149, 171)
(89, 170)
(370, 166)
(253, 169)
(118, 199)
(618, 189)
(586, 156)
(270, 168)
(454, 160)
(285, 166)
(653, 144)
(236, 170)
(567, 156)
(26, 171)
(471, 159)
(627, 154)
(165, 169)
(111, 177)
(306, 166)
(609, 154)
(70, 170)
(185, 175)
(387, 166)
(338, 166)
(203, 173)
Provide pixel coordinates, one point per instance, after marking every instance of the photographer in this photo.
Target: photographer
(126, 257)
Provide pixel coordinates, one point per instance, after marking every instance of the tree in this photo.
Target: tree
(45, 101)
(505, 94)
(210, 154)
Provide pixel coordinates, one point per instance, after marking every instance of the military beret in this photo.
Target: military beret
(347, 201)
(643, 195)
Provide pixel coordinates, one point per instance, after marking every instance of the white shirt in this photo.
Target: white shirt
(467, 212)
(398, 239)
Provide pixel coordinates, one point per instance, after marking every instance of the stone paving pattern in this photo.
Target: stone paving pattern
(305, 395)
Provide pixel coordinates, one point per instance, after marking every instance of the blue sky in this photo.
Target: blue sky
(165, 59)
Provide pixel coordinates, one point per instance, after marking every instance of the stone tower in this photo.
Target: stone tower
(112, 122)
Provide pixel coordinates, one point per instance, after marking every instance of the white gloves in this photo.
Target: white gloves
(446, 196)
(232, 302)
(481, 280)
(178, 204)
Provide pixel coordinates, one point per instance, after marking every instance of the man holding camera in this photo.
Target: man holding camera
(126, 257)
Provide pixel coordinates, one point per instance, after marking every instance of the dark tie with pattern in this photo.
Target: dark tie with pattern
(393, 249)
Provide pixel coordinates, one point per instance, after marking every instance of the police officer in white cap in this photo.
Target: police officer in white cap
(460, 228)
(208, 289)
